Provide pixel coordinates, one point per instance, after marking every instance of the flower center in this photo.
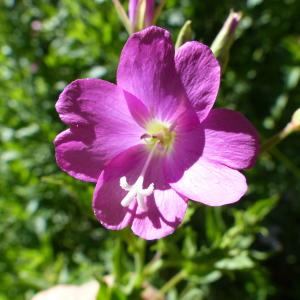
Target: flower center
(161, 133)
(159, 138)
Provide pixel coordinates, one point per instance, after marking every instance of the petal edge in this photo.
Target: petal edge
(200, 74)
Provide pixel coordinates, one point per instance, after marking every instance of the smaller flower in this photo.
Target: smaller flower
(36, 25)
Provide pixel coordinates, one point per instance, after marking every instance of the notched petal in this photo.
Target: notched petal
(101, 127)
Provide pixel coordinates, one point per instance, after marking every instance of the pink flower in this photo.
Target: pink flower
(36, 25)
(153, 141)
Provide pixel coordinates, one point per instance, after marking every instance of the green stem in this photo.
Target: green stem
(139, 259)
(138, 248)
(159, 10)
(286, 161)
(277, 138)
(173, 282)
(123, 15)
(154, 265)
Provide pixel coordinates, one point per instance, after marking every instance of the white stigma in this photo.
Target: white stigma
(135, 191)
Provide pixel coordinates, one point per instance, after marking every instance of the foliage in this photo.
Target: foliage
(48, 231)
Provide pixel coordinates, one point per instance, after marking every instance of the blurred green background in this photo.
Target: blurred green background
(49, 235)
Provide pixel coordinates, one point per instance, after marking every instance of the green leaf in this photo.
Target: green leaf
(239, 262)
(260, 209)
(214, 224)
(193, 294)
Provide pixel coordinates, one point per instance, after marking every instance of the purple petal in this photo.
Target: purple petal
(165, 207)
(108, 193)
(76, 156)
(187, 148)
(138, 110)
(147, 70)
(230, 139)
(199, 72)
(166, 210)
(211, 183)
(101, 126)
(107, 204)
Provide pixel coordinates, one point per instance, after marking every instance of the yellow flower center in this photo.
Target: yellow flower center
(159, 139)
(161, 133)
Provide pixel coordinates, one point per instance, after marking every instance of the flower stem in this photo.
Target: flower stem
(286, 161)
(277, 138)
(159, 10)
(173, 282)
(139, 259)
(122, 15)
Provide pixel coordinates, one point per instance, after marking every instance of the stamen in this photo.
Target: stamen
(141, 202)
(129, 197)
(124, 185)
(136, 190)
(148, 191)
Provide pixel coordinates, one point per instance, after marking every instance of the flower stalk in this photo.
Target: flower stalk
(158, 10)
(122, 15)
(173, 282)
(292, 126)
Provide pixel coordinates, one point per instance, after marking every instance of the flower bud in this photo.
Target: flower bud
(296, 120)
(141, 14)
(223, 41)
(150, 12)
(133, 12)
(185, 34)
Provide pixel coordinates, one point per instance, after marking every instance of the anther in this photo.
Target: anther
(124, 185)
(148, 191)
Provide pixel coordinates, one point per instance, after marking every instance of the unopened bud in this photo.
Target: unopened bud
(296, 120)
(225, 38)
(141, 14)
(185, 34)
(149, 13)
